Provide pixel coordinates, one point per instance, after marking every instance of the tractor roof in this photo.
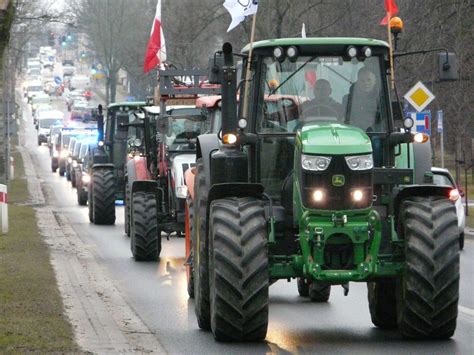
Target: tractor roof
(316, 41)
(127, 103)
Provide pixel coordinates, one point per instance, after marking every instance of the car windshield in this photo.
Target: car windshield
(441, 179)
(313, 90)
(47, 122)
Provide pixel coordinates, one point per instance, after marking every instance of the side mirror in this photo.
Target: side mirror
(215, 68)
(122, 121)
(448, 67)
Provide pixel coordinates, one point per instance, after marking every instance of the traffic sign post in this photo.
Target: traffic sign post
(441, 134)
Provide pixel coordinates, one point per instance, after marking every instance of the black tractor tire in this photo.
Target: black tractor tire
(103, 196)
(383, 303)
(429, 290)
(461, 241)
(62, 171)
(81, 198)
(238, 269)
(126, 210)
(54, 167)
(145, 240)
(90, 202)
(190, 282)
(319, 291)
(201, 250)
(39, 141)
(303, 286)
(68, 174)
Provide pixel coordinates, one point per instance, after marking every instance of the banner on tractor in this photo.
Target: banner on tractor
(239, 9)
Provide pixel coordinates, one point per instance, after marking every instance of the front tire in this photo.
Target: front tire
(103, 196)
(145, 240)
(201, 251)
(429, 290)
(383, 303)
(188, 228)
(126, 210)
(239, 272)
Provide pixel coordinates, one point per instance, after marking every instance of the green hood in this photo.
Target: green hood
(334, 139)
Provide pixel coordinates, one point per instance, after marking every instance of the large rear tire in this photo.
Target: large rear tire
(239, 272)
(201, 251)
(303, 286)
(81, 197)
(103, 196)
(429, 290)
(383, 303)
(145, 238)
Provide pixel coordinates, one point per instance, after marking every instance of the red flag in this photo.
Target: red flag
(156, 48)
(392, 9)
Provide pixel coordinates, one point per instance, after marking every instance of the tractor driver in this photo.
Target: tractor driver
(322, 104)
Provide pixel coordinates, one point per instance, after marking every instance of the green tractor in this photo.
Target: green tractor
(327, 186)
(107, 182)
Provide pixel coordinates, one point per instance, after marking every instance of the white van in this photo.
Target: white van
(46, 119)
(34, 87)
(79, 82)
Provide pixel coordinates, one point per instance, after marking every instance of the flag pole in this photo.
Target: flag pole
(249, 60)
(392, 69)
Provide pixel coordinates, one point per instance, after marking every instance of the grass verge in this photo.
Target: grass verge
(31, 310)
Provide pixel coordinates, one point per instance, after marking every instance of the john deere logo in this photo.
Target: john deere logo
(338, 180)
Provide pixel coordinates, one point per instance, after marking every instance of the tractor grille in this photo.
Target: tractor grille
(336, 197)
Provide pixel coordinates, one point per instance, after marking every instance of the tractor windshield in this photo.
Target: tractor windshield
(184, 126)
(322, 89)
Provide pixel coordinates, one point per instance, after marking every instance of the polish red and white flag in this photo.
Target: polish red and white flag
(156, 48)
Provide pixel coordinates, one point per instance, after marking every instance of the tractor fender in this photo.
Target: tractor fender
(103, 166)
(417, 190)
(145, 186)
(136, 169)
(206, 144)
(422, 160)
(234, 189)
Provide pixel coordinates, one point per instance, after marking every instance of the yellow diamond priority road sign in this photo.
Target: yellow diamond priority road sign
(419, 96)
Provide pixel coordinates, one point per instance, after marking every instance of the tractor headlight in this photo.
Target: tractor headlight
(314, 162)
(318, 196)
(181, 191)
(64, 153)
(357, 195)
(74, 163)
(86, 178)
(360, 162)
(69, 160)
(55, 154)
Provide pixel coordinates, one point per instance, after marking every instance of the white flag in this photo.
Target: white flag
(303, 31)
(238, 9)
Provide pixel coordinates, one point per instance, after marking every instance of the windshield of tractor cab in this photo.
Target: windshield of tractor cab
(322, 89)
(183, 127)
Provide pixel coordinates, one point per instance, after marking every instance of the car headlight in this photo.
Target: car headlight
(86, 178)
(181, 191)
(360, 162)
(314, 162)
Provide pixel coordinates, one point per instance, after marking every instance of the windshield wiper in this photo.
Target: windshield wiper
(292, 75)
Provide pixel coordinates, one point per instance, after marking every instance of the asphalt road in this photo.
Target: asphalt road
(157, 293)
